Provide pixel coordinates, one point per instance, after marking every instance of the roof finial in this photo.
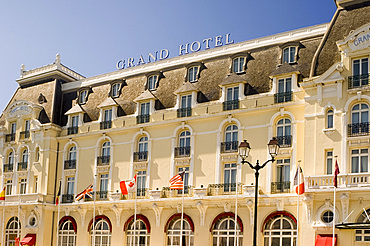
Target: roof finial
(57, 59)
(23, 69)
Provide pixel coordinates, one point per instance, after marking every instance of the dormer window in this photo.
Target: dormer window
(82, 98)
(289, 54)
(116, 89)
(152, 82)
(193, 74)
(238, 64)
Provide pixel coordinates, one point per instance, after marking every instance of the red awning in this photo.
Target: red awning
(29, 239)
(325, 240)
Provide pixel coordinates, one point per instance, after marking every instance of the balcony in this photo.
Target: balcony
(22, 166)
(70, 164)
(183, 112)
(100, 196)
(358, 81)
(280, 187)
(167, 192)
(103, 160)
(24, 135)
(182, 152)
(344, 180)
(8, 168)
(142, 193)
(144, 118)
(358, 129)
(283, 97)
(72, 130)
(105, 125)
(230, 105)
(284, 141)
(10, 137)
(68, 198)
(229, 147)
(140, 156)
(223, 189)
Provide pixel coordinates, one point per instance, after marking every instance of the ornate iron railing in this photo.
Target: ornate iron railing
(358, 81)
(280, 187)
(284, 141)
(183, 112)
(143, 118)
(105, 125)
(72, 130)
(358, 129)
(24, 135)
(10, 137)
(140, 156)
(8, 168)
(70, 164)
(22, 166)
(230, 105)
(68, 198)
(229, 147)
(103, 160)
(284, 97)
(182, 151)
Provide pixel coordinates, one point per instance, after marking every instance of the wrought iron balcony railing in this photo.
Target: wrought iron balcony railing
(166, 192)
(10, 137)
(223, 189)
(140, 156)
(70, 164)
(280, 187)
(72, 130)
(103, 160)
(105, 125)
(68, 198)
(8, 168)
(358, 81)
(284, 141)
(183, 112)
(99, 196)
(182, 151)
(358, 129)
(143, 118)
(24, 135)
(22, 166)
(284, 97)
(230, 105)
(229, 147)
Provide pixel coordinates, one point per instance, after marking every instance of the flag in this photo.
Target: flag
(177, 182)
(2, 195)
(58, 197)
(336, 172)
(128, 186)
(299, 187)
(85, 193)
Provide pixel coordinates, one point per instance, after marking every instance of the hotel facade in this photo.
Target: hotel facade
(309, 88)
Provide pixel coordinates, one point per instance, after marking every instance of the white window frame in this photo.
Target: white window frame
(141, 182)
(186, 101)
(292, 50)
(283, 164)
(173, 233)
(22, 186)
(193, 73)
(82, 97)
(116, 87)
(102, 234)
(229, 175)
(219, 232)
(9, 187)
(67, 234)
(362, 152)
(238, 64)
(70, 185)
(330, 118)
(105, 149)
(108, 113)
(13, 227)
(104, 181)
(329, 161)
(283, 233)
(152, 82)
(139, 234)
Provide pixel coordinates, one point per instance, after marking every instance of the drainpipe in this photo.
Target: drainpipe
(55, 187)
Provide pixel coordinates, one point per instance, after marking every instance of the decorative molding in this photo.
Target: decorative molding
(308, 200)
(157, 210)
(250, 206)
(202, 212)
(82, 212)
(280, 205)
(227, 207)
(344, 199)
(117, 212)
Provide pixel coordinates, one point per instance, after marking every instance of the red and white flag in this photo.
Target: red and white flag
(336, 172)
(299, 185)
(177, 181)
(128, 186)
(88, 192)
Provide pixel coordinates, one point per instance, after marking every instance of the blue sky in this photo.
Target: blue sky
(91, 36)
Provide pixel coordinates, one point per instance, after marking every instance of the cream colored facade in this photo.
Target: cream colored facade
(304, 87)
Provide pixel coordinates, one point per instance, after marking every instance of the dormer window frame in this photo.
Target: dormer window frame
(116, 89)
(152, 82)
(190, 71)
(289, 47)
(82, 96)
(241, 70)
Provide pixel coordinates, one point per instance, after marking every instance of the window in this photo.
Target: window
(232, 98)
(284, 133)
(25, 156)
(11, 137)
(143, 144)
(137, 233)
(282, 183)
(284, 90)
(70, 163)
(193, 74)
(22, 186)
(73, 129)
(67, 233)
(174, 230)
(330, 119)
(72, 154)
(329, 162)
(102, 233)
(13, 128)
(107, 119)
(185, 106)
(360, 73)
(35, 186)
(22, 166)
(70, 185)
(83, 97)
(9, 167)
(229, 177)
(184, 145)
(289, 54)
(359, 120)
(108, 115)
(12, 231)
(231, 139)
(106, 149)
(27, 125)
(364, 234)
(116, 88)
(359, 160)
(75, 121)
(104, 159)
(238, 65)
(37, 151)
(103, 194)
(142, 153)
(327, 217)
(223, 232)
(9, 185)
(280, 230)
(144, 113)
(152, 82)
(185, 179)
(141, 179)
(26, 133)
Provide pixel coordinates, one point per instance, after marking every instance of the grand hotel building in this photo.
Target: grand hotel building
(307, 87)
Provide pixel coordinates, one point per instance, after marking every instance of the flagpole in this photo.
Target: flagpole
(135, 190)
(298, 198)
(58, 221)
(3, 226)
(236, 205)
(182, 210)
(335, 187)
(94, 193)
(19, 220)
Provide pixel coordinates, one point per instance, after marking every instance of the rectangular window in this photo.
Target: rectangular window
(329, 162)
(74, 121)
(232, 94)
(13, 128)
(35, 184)
(359, 160)
(27, 126)
(185, 179)
(22, 186)
(186, 101)
(104, 182)
(284, 85)
(141, 180)
(289, 54)
(283, 170)
(360, 66)
(9, 186)
(229, 177)
(70, 185)
(108, 115)
(145, 108)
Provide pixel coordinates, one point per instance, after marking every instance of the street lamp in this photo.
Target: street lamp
(244, 149)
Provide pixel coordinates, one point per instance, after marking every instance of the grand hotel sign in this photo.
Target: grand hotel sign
(187, 48)
(358, 39)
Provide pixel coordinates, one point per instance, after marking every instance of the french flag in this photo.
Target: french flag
(128, 186)
(299, 186)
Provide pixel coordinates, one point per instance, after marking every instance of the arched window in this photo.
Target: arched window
(183, 148)
(22, 165)
(359, 120)
(12, 231)
(230, 143)
(174, 231)
(104, 158)
(280, 230)
(284, 132)
(289, 54)
(142, 149)
(25, 156)
(11, 157)
(9, 167)
(70, 163)
(100, 232)
(72, 153)
(329, 118)
(193, 74)
(138, 233)
(238, 65)
(67, 232)
(223, 231)
(363, 235)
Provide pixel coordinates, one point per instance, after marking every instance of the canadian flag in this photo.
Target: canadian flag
(299, 185)
(128, 186)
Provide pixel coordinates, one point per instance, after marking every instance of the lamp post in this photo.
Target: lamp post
(244, 149)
